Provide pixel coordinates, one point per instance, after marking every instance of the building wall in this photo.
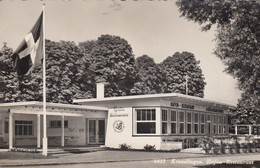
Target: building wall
(75, 132)
(120, 127)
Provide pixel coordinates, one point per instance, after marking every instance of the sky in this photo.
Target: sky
(154, 28)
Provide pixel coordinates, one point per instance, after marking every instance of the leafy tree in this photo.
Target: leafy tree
(149, 77)
(176, 68)
(8, 78)
(62, 71)
(238, 43)
(112, 61)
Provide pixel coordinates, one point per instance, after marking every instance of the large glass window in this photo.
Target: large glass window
(57, 124)
(202, 123)
(23, 128)
(181, 122)
(220, 124)
(146, 121)
(196, 123)
(173, 122)
(164, 121)
(189, 119)
(214, 124)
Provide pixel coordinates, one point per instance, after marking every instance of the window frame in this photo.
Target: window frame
(20, 127)
(164, 125)
(188, 123)
(173, 121)
(144, 120)
(181, 122)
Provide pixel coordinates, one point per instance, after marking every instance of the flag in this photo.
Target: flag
(29, 53)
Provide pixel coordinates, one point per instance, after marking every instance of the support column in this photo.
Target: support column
(10, 130)
(235, 129)
(62, 130)
(250, 130)
(38, 130)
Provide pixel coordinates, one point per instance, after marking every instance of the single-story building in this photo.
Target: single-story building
(21, 124)
(168, 120)
(165, 120)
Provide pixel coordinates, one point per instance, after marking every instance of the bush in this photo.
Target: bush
(124, 146)
(149, 147)
(206, 144)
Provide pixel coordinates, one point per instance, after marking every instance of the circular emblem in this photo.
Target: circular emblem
(118, 126)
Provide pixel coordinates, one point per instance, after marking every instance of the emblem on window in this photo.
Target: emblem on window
(118, 126)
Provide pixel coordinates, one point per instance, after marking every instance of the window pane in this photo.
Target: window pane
(188, 117)
(202, 128)
(139, 115)
(208, 117)
(149, 115)
(181, 116)
(20, 130)
(219, 129)
(196, 119)
(173, 115)
(153, 114)
(202, 118)
(143, 115)
(188, 128)
(25, 131)
(173, 128)
(196, 128)
(66, 124)
(181, 128)
(164, 128)
(164, 115)
(146, 128)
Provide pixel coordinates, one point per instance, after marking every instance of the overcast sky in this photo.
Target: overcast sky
(150, 27)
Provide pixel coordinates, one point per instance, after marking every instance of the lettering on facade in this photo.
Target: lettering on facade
(118, 126)
(118, 115)
(118, 109)
(214, 109)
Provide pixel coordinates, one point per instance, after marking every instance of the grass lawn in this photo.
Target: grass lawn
(22, 156)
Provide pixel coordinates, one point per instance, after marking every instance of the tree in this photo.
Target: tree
(8, 78)
(149, 77)
(176, 68)
(238, 42)
(112, 61)
(62, 70)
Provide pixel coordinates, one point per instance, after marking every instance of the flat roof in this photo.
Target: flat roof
(165, 96)
(49, 104)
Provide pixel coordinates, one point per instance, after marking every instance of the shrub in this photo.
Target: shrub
(149, 147)
(206, 144)
(124, 146)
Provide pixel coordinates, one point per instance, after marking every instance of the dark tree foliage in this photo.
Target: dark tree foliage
(177, 68)
(238, 44)
(8, 78)
(149, 77)
(112, 61)
(62, 75)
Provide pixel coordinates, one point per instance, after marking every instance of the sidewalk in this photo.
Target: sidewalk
(120, 156)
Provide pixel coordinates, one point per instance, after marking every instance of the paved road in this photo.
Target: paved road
(231, 161)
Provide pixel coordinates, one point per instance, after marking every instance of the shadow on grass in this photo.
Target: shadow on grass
(23, 156)
(255, 164)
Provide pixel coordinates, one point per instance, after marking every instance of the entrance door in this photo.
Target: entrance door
(96, 131)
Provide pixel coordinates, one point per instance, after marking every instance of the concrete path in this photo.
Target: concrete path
(115, 157)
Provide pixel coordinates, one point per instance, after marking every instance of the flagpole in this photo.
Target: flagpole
(44, 140)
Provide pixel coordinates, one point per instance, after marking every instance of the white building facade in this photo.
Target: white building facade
(167, 121)
(164, 120)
